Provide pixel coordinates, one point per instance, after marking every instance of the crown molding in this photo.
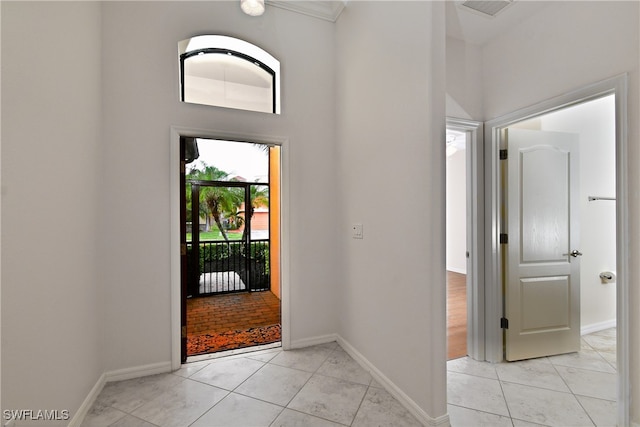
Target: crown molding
(321, 9)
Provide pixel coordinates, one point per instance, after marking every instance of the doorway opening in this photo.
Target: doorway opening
(456, 203)
(465, 239)
(230, 228)
(494, 134)
(580, 136)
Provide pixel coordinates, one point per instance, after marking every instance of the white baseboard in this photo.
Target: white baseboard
(77, 419)
(308, 342)
(117, 375)
(597, 327)
(394, 390)
(138, 371)
(457, 270)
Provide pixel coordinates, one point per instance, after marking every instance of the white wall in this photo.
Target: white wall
(464, 80)
(88, 101)
(527, 65)
(398, 126)
(595, 124)
(391, 128)
(50, 187)
(457, 212)
(140, 86)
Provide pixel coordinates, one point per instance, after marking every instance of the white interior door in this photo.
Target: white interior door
(542, 290)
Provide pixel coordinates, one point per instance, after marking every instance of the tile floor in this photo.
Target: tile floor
(577, 389)
(322, 386)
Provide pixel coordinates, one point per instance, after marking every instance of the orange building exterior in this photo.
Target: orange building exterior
(274, 206)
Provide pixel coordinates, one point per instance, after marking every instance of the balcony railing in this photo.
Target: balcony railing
(223, 267)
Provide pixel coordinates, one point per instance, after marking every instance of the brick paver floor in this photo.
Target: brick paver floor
(220, 314)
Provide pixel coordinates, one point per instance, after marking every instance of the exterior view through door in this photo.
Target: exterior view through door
(230, 229)
(542, 292)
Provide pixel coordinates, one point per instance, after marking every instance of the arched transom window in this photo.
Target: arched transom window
(228, 72)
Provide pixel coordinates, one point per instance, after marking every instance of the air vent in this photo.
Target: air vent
(487, 7)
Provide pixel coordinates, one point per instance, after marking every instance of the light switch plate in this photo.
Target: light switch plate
(356, 232)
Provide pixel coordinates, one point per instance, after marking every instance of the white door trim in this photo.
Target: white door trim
(174, 201)
(475, 234)
(493, 266)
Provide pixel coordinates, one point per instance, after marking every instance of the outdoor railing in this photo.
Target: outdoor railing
(224, 267)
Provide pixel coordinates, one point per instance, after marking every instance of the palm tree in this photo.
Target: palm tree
(203, 210)
(219, 201)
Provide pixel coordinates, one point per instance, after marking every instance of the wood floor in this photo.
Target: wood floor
(456, 315)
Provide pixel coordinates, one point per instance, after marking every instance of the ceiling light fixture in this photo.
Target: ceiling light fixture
(252, 7)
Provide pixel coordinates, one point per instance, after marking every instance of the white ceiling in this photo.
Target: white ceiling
(461, 22)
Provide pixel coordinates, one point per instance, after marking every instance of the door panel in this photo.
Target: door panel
(545, 207)
(542, 291)
(547, 303)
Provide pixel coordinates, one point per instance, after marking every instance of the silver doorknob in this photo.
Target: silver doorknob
(575, 253)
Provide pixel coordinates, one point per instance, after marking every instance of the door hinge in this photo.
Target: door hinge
(183, 249)
(503, 154)
(504, 238)
(184, 332)
(504, 323)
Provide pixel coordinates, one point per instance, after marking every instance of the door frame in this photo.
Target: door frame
(475, 234)
(493, 259)
(174, 201)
